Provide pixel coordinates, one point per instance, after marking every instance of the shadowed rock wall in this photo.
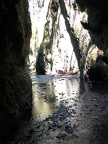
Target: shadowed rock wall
(97, 26)
(15, 83)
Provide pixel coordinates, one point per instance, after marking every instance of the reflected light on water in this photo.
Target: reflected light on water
(66, 110)
(48, 93)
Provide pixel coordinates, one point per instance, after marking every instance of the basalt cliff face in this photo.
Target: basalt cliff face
(15, 83)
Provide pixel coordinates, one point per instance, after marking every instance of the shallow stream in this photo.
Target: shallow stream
(66, 111)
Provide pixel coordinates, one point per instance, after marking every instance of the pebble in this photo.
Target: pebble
(106, 108)
(68, 128)
(66, 119)
(61, 135)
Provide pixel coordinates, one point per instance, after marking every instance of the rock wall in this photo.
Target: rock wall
(15, 83)
(65, 42)
(97, 27)
(75, 33)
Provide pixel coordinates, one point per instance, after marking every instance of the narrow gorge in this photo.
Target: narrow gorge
(47, 37)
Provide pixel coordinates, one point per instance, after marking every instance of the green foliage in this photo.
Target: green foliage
(54, 6)
(59, 50)
(40, 64)
(78, 8)
(36, 34)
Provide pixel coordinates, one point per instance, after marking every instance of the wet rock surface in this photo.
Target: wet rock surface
(66, 111)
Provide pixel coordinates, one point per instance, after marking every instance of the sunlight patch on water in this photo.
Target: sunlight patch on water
(48, 93)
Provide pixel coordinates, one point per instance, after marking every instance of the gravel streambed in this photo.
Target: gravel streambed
(66, 111)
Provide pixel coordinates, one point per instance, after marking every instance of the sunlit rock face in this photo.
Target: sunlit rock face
(15, 83)
(74, 33)
(57, 46)
(66, 45)
(38, 11)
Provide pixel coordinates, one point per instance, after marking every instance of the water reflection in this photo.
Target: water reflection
(66, 110)
(48, 93)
